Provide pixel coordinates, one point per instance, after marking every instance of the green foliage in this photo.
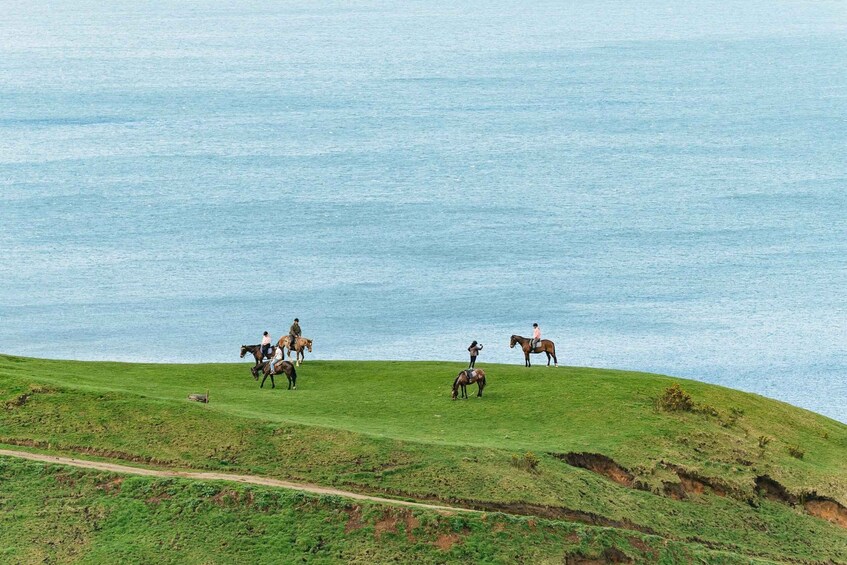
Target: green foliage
(675, 399)
(528, 462)
(764, 441)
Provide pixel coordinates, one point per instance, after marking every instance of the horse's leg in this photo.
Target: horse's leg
(548, 358)
(263, 381)
(555, 361)
(481, 384)
(273, 384)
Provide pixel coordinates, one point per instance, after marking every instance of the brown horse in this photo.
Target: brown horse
(300, 345)
(280, 367)
(256, 350)
(545, 346)
(468, 377)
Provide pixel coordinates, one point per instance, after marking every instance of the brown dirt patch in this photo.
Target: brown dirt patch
(498, 527)
(411, 523)
(827, 509)
(388, 523)
(446, 541)
(600, 464)
(354, 519)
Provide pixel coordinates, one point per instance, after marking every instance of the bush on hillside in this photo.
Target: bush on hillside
(675, 399)
(528, 462)
(796, 451)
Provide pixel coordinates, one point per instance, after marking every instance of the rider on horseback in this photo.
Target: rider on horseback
(536, 337)
(276, 358)
(266, 345)
(294, 332)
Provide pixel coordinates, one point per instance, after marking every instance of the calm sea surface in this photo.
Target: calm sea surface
(662, 186)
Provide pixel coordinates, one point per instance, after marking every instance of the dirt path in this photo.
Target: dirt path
(205, 476)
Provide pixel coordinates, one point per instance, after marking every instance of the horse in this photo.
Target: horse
(256, 350)
(300, 343)
(467, 377)
(545, 346)
(282, 367)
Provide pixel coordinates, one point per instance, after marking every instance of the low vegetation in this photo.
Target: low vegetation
(585, 446)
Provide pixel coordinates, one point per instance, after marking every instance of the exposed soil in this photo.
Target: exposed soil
(599, 464)
(446, 541)
(819, 506)
(391, 520)
(354, 519)
(827, 509)
(691, 483)
(772, 490)
(387, 524)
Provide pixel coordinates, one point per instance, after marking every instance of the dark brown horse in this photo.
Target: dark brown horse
(256, 350)
(468, 377)
(301, 344)
(545, 346)
(280, 367)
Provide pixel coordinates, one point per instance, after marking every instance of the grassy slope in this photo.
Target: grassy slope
(53, 514)
(390, 427)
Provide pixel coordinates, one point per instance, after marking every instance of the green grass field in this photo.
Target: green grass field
(721, 477)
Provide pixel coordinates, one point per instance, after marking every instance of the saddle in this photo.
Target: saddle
(469, 374)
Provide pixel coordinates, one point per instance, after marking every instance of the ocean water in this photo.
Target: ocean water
(660, 185)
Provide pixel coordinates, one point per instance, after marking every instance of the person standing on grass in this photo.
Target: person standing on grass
(266, 345)
(474, 350)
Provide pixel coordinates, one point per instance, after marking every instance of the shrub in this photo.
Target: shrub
(528, 462)
(674, 399)
(796, 451)
(764, 441)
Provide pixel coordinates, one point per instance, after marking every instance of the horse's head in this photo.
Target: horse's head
(513, 341)
(244, 350)
(309, 345)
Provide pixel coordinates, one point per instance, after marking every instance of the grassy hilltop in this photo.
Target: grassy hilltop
(583, 455)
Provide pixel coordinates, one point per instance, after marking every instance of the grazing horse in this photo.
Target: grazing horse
(467, 377)
(545, 346)
(256, 350)
(300, 345)
(281, 367)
